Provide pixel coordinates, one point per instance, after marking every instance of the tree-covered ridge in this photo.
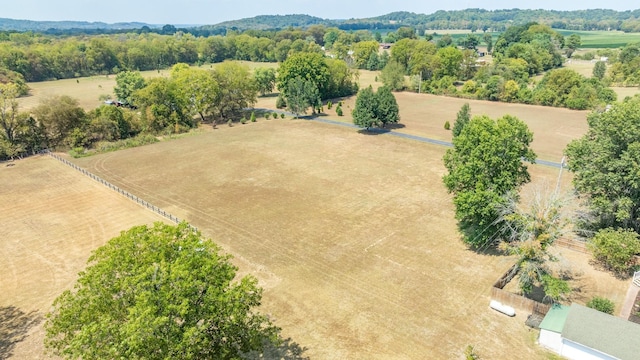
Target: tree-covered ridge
(480, 19)
(30, 25)
(268, 22)
(471, 19)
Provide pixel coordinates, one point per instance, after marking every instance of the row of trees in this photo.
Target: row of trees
(486, 170)
(500, 20)
(605, 163)
(519, 54)
(485, 173)
(37, 57)
(164, 105)
(171, 104)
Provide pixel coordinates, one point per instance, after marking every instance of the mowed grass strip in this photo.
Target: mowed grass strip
(352, 235)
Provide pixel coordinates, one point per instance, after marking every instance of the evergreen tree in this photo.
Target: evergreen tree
(463, 118)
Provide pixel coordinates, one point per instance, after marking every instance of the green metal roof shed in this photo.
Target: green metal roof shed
(555, 318)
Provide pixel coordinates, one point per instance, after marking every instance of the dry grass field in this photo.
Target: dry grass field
(352, 236)
(53, 217)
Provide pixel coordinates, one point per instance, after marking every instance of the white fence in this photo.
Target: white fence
(130, 196)
(636, 278)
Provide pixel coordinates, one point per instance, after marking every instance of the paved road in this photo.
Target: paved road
(402, 135)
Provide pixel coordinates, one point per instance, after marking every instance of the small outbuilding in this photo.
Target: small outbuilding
(578, 332)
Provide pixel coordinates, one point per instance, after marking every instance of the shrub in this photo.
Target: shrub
(267, 116)
(601, 304)
(280, 102)
(470, 353)
(230, 122)
(253, 117)
(615, 249)
(555, 288)
(243, 120)
(329, 104)
(282, 116)
(447, 125)
(339, 110)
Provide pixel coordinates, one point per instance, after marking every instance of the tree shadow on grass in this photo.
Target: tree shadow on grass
(395, 126)
(14, 326)
(287, 349)
(381, 131)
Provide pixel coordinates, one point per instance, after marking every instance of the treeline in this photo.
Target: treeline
(519, 54)
(500, 20)
(164, 105)
(39, 57)
(470, 19)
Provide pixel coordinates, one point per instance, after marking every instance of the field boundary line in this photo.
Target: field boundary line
(125, 193)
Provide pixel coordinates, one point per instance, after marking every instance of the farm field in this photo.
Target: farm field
(425, 115)
(352, 236)
(53, 217)
(602, 39)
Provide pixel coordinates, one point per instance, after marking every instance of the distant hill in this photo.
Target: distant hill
(269, 22)
(30, 25)
(477, 19)
(471, 19)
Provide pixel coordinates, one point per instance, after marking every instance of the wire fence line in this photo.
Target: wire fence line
(127, 194)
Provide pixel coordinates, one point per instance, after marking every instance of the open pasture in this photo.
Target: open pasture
(87, 90)
(351, 235)
(53, 217)
(602, 39)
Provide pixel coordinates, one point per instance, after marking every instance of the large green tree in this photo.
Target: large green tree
(265, 79)
(127, 83)
(393, 75)
(237, 90)
(365, 111)
(164, 106)
(308, 66)
(161, 292)
(375, 108)
(300, 95)
(198, 87)
(485, 164)
(60, 116)
(388, 111)
(606, 166)
(462, 119)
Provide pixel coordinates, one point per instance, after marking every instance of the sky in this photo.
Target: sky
(182, 12)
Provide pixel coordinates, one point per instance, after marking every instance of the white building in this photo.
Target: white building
(580, 333)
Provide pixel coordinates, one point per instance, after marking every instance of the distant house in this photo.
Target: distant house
(580, 333)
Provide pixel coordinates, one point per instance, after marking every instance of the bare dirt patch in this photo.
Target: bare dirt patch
(53, 217)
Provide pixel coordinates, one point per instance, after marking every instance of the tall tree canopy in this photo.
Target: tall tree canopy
(160, 292)
(127, 83)
(606, 164)
(331, 77)
(308, 66)
(486, 164)
(375, 108)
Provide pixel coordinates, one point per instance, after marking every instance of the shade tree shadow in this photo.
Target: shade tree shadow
(14, 326)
